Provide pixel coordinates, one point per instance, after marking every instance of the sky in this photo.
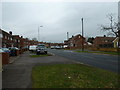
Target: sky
(57, 18)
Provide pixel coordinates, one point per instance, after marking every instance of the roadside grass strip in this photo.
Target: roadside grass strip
(111, 53)
(42, 55)
(73, 76)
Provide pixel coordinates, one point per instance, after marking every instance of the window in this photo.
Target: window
(1, 36)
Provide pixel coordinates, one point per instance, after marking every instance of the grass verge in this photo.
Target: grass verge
(42, 55)
(73, 76)
(111, 53)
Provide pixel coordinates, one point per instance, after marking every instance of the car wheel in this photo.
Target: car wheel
(45, 52)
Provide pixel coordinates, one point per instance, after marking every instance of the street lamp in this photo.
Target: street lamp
(38, 33)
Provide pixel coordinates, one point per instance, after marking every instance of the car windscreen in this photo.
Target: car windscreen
(41, 46)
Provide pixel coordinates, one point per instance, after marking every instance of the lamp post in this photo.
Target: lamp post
(38, 33)
(82, 36)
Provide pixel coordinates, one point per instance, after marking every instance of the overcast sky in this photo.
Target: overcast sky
(57, 18)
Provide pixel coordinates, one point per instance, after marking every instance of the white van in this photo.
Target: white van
(33, 48)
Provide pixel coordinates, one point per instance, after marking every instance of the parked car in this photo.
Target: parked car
(33, 48)
(13, 51)
(1, 50)
(41, 49)
(6, 50)
(13, 48)
(58, 47)
(52, 47)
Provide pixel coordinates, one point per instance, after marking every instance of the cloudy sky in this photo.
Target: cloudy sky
(57, 18)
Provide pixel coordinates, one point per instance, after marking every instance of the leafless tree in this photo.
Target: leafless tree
(112, 28)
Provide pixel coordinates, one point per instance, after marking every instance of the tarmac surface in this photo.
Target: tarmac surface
(17, 74)
(103, 61)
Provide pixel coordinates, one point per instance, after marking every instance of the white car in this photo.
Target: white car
(33, 48)
(52, 47)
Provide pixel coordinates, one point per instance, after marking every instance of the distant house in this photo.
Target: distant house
(104, 42)
(76, 42)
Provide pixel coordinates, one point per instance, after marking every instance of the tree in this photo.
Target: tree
(90, 40)
(35, 39)
(112, 29)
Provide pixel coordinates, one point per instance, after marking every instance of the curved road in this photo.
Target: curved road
(108, 62)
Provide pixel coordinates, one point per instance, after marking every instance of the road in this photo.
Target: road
(107, 62)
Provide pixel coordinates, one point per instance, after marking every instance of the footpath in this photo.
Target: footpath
(17, 74)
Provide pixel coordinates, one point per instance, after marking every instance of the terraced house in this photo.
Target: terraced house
(10, 40)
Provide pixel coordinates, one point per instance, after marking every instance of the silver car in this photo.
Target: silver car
(41, 49)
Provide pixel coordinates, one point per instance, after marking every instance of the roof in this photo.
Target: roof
(111, 39)
(116, 39)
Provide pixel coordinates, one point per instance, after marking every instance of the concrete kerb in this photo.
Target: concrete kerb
(13, 59)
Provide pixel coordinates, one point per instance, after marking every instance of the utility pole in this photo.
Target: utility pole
(82, 36)
(67, 35)
(38, 33)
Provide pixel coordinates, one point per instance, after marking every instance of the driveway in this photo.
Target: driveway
(18, 74)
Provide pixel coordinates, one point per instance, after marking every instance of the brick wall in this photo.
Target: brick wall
(5, 58)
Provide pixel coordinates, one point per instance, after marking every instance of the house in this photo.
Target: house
(6, 39)
(116, 42)
(9, 40)
(104, 42)
(16, 41)
(76, 41)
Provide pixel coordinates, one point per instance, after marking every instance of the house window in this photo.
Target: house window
(5, 37)
(1, 36)
(106, 40)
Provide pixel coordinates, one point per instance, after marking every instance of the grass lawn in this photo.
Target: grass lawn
(112, 53)
(72, 76)
(42, 55)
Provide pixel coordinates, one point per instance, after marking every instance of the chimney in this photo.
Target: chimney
(21, 36)
(10, 32)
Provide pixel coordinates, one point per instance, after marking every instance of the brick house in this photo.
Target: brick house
(16, 41)
(76, 42)
(9, 40)
(6, 39)
(104, 42)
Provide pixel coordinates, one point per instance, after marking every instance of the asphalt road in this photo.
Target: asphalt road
(107, 62)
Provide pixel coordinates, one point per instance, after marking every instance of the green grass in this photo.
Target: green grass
(72, 76)
(112, 53)
(42, 55)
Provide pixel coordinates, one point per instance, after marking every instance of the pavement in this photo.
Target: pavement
(18, 73)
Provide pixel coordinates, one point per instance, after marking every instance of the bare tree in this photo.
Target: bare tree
(112, 28)
(35, 39)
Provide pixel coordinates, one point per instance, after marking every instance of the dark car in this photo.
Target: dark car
(41, 49)
(13, 51)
